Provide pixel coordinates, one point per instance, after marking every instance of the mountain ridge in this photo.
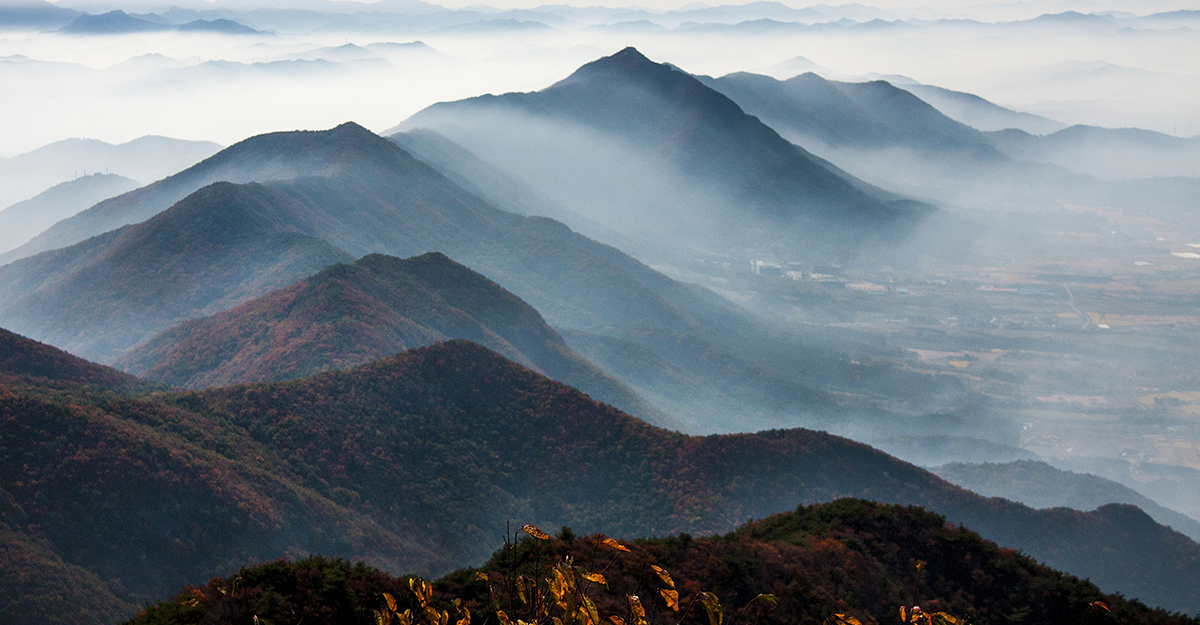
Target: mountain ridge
(349, 315)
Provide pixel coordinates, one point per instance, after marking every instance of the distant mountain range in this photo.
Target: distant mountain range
(34, 15)
(1040, 485)
(679, 159)
(23, 220)
(119, 23)
(414, 462)
(865, 115)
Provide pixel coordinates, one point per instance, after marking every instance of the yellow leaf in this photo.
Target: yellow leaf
(434, 617)
(903, 614)
(664, 576)
(480, 576)
(609, 542)
(391, 601)
(767, 598)
(842, 619)
(535, 532)
(405, 618)
(616, 620)
(712, 605)
(595, 578)
(592, 612)
(466, 619)
(942, 618)
(502, 617)
(672, 598)
(379, 618)
(521, 589)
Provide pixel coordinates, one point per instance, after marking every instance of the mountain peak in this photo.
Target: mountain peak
(626, 64)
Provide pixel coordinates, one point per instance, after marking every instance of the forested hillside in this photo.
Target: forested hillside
(415, 462)
(852, 558)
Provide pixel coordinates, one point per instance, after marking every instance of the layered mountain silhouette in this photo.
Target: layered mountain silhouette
(23, 220)
(415, 462)
(275, 156)
(349, 315)
(228, 243)
(663, 151)
(219, 247)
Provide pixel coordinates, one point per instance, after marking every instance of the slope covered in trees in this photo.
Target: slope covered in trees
(851, 557)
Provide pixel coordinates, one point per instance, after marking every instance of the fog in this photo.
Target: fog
(1039, 303)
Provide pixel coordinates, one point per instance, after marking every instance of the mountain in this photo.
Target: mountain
(267, 157)
(981, 114)
(349, 315)
(23, 358)
(103, 503)
(213, 250)
(111, 23)
(21, 221)
(417, 461)
(666, 154)
(228, 27)
(145, 159)
(34, 15)
(1107, 153)
(866, 115)
(1040, 485)
(848, 556)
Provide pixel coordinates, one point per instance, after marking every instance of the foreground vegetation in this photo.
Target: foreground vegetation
(846, 562)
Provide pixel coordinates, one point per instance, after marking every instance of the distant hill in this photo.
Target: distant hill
(415, 463)
(866, 115)
(349, 315)
(111, 23)
(1040, 485)
(1108, 153)
(228, 27)
(146, 159)
(34, 15)
(848, 556)
(21, 221)
(268, 157)
(668, 155)
(119, 23)
(981, 114)
(217, 248)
